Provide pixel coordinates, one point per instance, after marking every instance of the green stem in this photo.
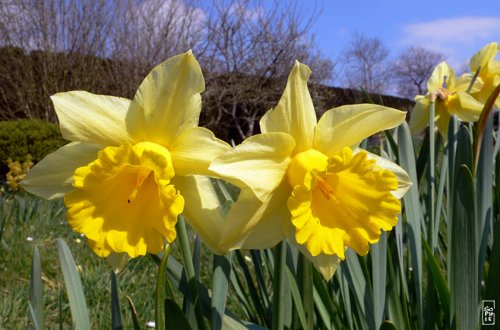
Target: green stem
(189, 268)
(160, 290)
(306, 286)
(279, 286)
(431, 177)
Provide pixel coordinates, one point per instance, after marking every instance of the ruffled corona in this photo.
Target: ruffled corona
(124, 202)
(341, 201)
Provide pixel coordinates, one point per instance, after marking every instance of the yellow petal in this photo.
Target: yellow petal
(324, 263)
(53, 176)
(465, 107)
(442, 74)
(419, 115)
(484, 57)
(347, 205)
(442, 123)
(260, 162)
(202, 209)
(463, 82)
(294, 113)
(194, 149)
(348, 125)
(255, 224)
(124, 202)
(404, 182)
(168, 102)
(91, 118)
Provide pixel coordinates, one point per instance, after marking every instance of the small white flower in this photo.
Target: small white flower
(151, 324)
(29, 239)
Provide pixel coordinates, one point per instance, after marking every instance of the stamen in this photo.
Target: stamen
(142, 175)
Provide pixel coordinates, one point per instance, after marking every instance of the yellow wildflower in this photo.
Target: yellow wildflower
(309, 181)
(131, 164)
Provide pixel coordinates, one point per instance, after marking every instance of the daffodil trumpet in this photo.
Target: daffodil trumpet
(308, 181)
(134, 165)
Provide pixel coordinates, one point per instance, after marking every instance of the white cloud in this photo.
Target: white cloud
(457, 38)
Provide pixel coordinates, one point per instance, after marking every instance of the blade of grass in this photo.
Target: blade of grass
(36, 288)
(74, 290)
(133, 314)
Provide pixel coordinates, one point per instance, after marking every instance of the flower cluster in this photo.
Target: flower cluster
(462, 96)
(133, 166)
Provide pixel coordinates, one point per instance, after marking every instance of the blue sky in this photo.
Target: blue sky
(455, 28)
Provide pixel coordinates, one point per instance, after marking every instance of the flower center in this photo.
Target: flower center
(124, 201)
(342, 201)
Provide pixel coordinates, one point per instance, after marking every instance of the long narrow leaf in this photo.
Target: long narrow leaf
(220, 286)
(379, 266)
(413, 212)
(116, 317)
(74, 288)
(464, 288)
(36, 288)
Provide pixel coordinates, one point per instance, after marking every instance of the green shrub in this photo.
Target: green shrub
(18, 138)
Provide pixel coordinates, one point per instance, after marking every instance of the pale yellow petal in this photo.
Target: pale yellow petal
(442, 73)
(194, 149)
(442, 123)
(483, 57)
(260, 162)
(168, 102)
(255, 224)
(404, 182)
(465, 107)
(118, 261)
(91, 118)
(348, 125)
(324, 263)
(202, 209)
(53, 176)
(294, 113)
(463, 82)
(419, 115)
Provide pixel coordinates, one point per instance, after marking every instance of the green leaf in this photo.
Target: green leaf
(220, 286)
(74, 289)
(387, 325)
(299, 307)
(492, 291)
(174, 317)
(464, 281)
(413, 211)
(439, 281)
(133, 314)
(484, 196)
(279, 290)
(36, 288)
(116, 317)
(379, 266)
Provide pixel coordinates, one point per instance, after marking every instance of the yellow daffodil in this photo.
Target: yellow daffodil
(131, 164)
(489, 71)
(450, 97)
(308, 180)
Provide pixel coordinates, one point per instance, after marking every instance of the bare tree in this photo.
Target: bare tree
(412, 69)
(365, 64)
(246, 49)
(248, 55)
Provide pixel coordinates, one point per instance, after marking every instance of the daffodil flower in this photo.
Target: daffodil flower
(126, 175)
(309, 181)
(489, 71)
(450, 97)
